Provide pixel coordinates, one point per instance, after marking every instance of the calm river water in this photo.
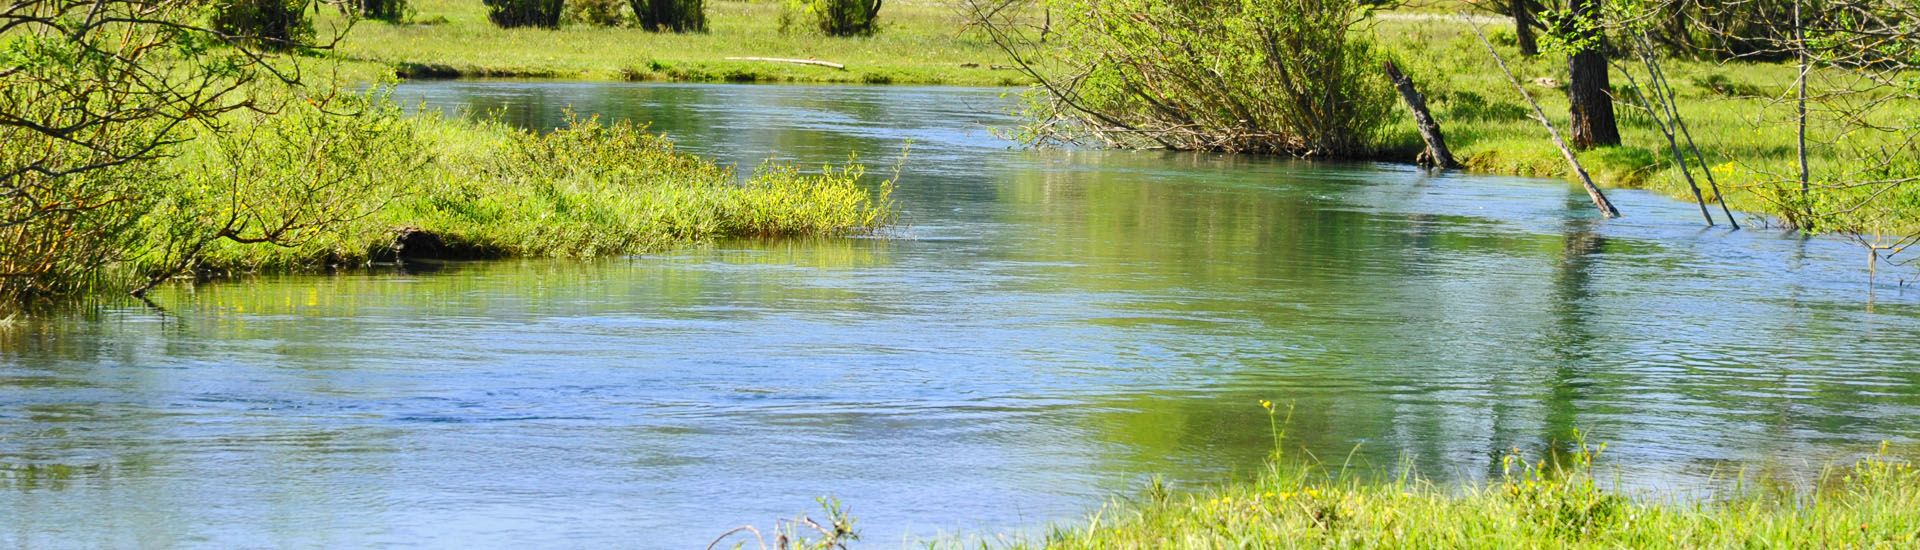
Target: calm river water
(1046, 330)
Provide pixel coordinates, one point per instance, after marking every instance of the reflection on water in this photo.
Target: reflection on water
(1047, 328)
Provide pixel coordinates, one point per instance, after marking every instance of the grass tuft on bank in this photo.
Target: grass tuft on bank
(1869, 504)
(346, 190)
(1736, 112)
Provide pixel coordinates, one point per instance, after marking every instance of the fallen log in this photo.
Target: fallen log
(799, 61)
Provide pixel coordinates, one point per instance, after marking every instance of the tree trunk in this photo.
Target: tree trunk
(1437, 154)
(1800, 101)
(1589, 92)
(1523, 27)
(1599, 199)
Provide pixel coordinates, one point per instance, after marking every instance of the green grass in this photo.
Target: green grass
(1549, 503)
(1731, 109)
(1868, 506)
(920, 42)
(926, 42)
(487, 189)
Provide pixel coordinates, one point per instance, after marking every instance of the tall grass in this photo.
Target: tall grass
(304, 189)
(596, 188)
(1554, 503)
(1867, 505)
(1735, 111)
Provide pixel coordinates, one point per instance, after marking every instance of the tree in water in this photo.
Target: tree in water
(1589, 91)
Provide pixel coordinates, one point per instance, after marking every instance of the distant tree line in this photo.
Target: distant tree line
(832, 17)
(283, 24)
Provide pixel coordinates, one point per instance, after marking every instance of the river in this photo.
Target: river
(1043, 331)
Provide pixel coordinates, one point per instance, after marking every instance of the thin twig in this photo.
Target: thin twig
(756, 534)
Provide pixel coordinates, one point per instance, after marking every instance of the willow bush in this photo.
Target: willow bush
(524, 13)
(846, 17)
(383, 10)
(271, 24)
(1729, 29)
(596, 13)
(293, 188)
(97, 95)
(671, 15)
(1257, 76)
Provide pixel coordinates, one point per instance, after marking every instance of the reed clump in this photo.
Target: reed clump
(309, 188)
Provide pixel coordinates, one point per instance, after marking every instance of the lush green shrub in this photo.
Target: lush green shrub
(524, 13)
(846, 17)
(296, 187)
(1263, 76)
(51, 251)
(384, 10)
(96, 94)
(594, 189)
(671, 15)
(276, 24)
(598, 13)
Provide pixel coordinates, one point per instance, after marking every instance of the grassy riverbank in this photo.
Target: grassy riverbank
(1869, 504)
(592, 189)
(1732, 109)
(301, 190)
(920, 42)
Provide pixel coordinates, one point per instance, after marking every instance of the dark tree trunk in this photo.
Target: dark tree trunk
(1436, 154)
(1523, 27)
(1589, 93)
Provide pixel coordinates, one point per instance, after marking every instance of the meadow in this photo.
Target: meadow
(920, 42)
(1737, 111)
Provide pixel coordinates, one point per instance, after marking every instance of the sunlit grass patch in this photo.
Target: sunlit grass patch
(1735, 111)
(919, 42)
(1552, 503)
(483, 188)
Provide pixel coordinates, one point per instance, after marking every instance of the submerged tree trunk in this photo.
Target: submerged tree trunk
(1589, 92)
(1523, 27)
